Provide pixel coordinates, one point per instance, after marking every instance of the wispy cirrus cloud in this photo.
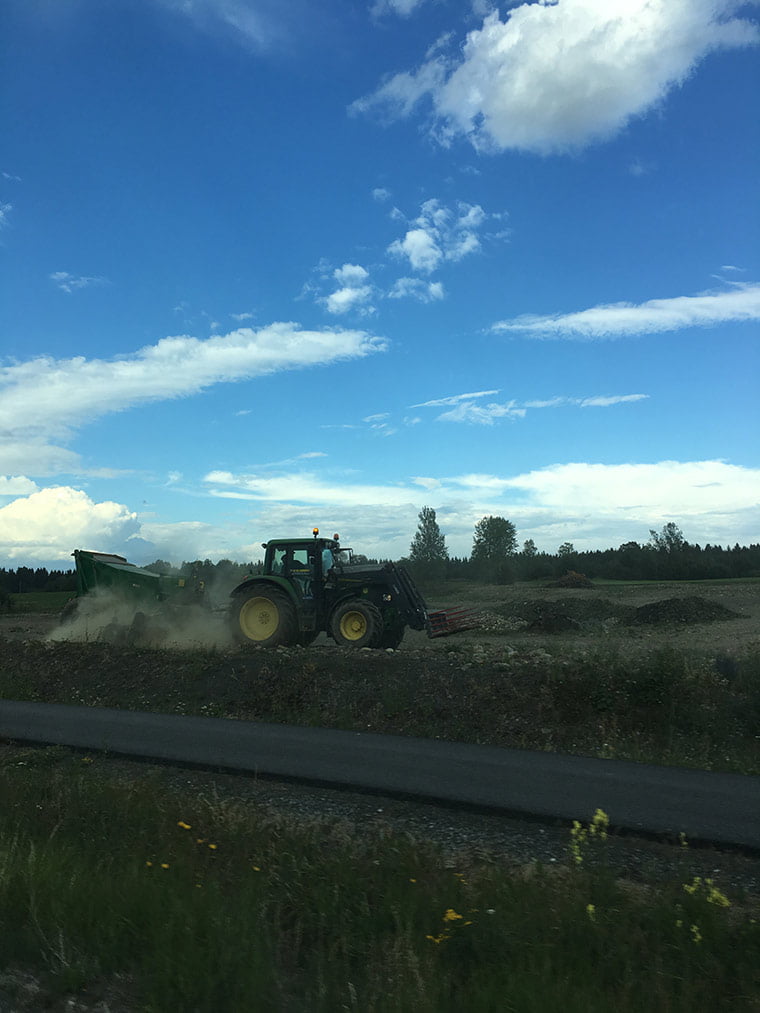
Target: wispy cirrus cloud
(453, 399)
(46, 399)
(254, 24)
(403, 8)
(67, 282)
(472, 409)
(656, 316)
(556, 76)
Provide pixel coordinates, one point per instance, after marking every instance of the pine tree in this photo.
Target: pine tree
(428, 545)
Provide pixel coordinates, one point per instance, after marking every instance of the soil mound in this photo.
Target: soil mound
(690, 609)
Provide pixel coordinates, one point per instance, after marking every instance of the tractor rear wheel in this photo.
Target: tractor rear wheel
(264, 616)
(356, 623)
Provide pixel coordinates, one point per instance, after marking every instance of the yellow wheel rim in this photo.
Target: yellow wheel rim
(259, 618)
(353, 625)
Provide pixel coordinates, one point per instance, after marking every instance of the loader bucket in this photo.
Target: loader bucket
(456, 620)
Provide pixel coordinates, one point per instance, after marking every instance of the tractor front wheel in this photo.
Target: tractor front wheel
(264, 616)
(356, 624)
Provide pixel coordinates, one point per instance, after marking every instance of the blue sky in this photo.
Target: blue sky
(270, 265)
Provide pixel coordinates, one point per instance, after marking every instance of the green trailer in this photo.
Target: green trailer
(126, 603)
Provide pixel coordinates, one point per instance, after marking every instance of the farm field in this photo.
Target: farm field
(667, 673)
(374, 904)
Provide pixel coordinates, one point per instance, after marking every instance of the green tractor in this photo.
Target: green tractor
(314, 585)
(308, 586)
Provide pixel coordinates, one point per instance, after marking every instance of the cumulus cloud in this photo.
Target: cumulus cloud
(44, 399)
(440, 234)
(656, 316)
(354, 292)
(553, 76)
(73, 283)
(50, 523)
(416, 288)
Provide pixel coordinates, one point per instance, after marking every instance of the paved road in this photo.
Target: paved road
(721, 808)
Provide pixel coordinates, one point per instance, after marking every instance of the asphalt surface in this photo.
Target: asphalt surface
(718, 808)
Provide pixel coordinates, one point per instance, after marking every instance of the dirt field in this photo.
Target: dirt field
(710, 617)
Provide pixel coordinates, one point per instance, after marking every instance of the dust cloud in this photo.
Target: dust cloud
(110, 618)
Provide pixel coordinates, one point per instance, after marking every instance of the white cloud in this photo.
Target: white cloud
(380, 193)
(5, 210)
(255, 24)
(353, 293)
(16, 485)
(49, 524)
(73, 283)
(416, 288)
(401, 7)
(592, 505)
(665, 489)
(22, 450)
(242, 317)
(465, 407)
(45, 399)
(656, 316)
(453, 399)
(606, 401)
(440, 234)
(559, 75)
(482, 414)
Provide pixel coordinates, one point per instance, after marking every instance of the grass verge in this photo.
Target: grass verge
(214, 905)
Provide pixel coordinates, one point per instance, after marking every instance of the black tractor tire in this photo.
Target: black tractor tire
(264, 616)
(392, 636)
(357, 624)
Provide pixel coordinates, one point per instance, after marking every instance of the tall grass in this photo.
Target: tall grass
(209, 905)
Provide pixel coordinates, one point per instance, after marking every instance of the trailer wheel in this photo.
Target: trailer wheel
(264, 616)
(356, 624)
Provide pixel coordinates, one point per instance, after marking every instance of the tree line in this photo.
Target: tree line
(495, 558)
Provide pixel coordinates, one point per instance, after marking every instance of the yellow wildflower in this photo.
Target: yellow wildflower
(212, 847)
(164, 865)
(591, 912)
(183, 825)
(694, 885)
(451, 915)
(714, 895)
